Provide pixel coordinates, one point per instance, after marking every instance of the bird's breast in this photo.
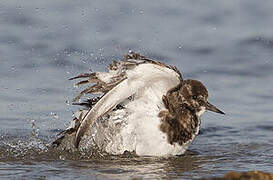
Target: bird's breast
(140, 129)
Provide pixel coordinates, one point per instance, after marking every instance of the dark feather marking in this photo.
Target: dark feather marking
(88, 103)
(85, 75)
(92, 89)
(179, 129)
(82, 82)
(58, 141)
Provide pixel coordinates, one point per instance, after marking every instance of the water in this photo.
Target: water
(228, 45)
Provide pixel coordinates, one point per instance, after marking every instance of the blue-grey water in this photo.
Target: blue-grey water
(228, 45)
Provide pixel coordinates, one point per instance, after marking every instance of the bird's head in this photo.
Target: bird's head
(195, 97)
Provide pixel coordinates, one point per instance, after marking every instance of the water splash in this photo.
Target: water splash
(35, 129)
(67, 102)
(21, 146)
(54, 115)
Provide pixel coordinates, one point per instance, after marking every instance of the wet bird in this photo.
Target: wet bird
(144, 106)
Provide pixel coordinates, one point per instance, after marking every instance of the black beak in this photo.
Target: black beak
(210, 107)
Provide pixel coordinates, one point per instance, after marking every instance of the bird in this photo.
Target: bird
(140, 105)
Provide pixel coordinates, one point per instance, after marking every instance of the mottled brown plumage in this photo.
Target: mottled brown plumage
(180, 121)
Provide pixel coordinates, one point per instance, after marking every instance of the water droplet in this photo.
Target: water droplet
(54, 115)
(35, 129)
(83, 12)
(61, 157)
(13, 68)
(11, 107)
(67, 102)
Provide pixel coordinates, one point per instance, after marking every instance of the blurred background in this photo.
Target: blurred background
(228, 45)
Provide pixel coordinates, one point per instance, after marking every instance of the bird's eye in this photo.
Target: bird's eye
(194, 97)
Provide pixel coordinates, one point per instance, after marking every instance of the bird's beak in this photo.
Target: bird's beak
(210, 107)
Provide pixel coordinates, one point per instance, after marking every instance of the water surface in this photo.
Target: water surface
(226, 45)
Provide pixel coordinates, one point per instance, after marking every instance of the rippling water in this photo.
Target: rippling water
(228, 45)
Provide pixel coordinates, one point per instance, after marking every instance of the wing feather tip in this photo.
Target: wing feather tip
(76, 142)
(85, 75)
(78, 137)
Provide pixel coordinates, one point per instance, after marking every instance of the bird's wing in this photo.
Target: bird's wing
(124, 79)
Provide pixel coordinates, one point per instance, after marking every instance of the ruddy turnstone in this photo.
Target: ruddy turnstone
(144, 106)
